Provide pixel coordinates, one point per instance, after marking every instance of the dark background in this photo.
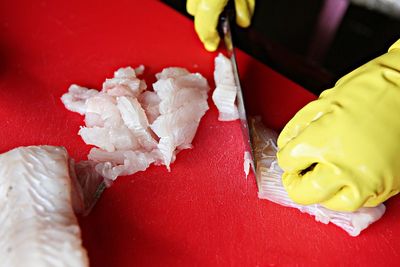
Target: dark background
(284, 33)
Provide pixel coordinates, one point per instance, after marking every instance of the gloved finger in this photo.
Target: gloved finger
(311, 173)
(309, 113)
(251, 4)
(191, 6)
(387, 61)
(316, 185)
(381, 197)
(392, 76)
(206, 20)
(244, 12)
(299, 157)
(394, 46)
(309, 147)
(347, 198)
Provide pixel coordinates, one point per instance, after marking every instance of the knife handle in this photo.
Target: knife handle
(227, 14)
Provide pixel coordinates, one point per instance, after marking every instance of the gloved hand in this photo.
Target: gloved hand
(343, 149)
(206, 14)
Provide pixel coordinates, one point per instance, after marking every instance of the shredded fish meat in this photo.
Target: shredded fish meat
(132, 127)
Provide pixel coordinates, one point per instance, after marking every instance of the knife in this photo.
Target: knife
(225, 29)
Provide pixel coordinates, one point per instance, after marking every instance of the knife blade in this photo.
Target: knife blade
(227, 15)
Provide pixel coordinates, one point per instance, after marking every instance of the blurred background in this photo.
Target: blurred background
(315, 42)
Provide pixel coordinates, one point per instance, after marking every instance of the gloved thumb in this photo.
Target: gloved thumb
(244, 12)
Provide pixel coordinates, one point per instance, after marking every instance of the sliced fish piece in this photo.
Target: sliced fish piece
(247, 162)
(269, 180)
(109, 139)
(183, 102)
(150, 103)
(224, 95)
(139, 70)
(93, 120)
(193, 80)
(38, 224)
(171, 72)
(135, 119)
(124, 83)
(104, 106)
(110, 165)
(75, 99)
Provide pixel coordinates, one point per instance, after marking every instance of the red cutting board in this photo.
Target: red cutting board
(202, 213)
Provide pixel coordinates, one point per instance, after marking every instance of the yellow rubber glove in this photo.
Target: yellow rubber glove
(206, 14)
(343, 149)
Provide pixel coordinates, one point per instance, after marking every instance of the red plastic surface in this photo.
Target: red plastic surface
(202, 213)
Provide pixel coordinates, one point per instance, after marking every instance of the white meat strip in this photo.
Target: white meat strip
(75, 99)
(113, 164)
(38, 225)
(105, 107)
(224, 95)
(135, 119)
(171, 72)
(247, 162)
(124, 83)
(109, 139)
(269, 180)
(150, 103)
(183, 103)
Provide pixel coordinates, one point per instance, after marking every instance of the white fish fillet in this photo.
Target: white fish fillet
(269, 180)
(38, 224)
(224, 95)
(132, 127)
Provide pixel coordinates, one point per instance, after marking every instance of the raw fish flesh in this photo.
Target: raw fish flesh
(125, 83)
(135, 119)
(183, 102)
(132, 127)
(224, 95)
(38, 224)
(114, 164)
(269, 180)
(247, 162)
(76, 98)
(150, 103)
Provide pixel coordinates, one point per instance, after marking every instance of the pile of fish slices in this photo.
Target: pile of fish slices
(131, 127)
